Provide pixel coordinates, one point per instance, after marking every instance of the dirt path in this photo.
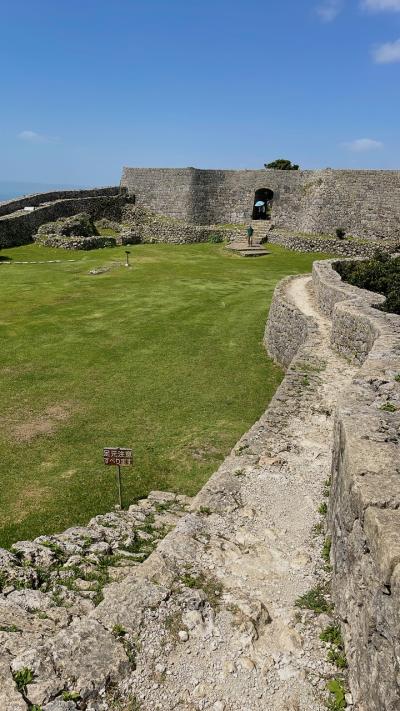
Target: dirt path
(255, 651)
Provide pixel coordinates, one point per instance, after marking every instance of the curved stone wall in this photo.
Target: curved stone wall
(364, 505)
(287, 328)
(17, 227)
(9, 206)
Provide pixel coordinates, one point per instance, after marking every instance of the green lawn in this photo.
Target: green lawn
(165, 357)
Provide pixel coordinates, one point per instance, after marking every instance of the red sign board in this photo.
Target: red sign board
(120, 456)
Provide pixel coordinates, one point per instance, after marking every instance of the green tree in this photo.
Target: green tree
(282, 164)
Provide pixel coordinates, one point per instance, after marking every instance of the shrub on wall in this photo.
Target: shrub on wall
(380, 274)
(282, 164)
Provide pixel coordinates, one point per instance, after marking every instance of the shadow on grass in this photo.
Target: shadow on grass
(5, 259)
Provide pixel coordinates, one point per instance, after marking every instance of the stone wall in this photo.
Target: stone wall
(287, 328)
(153, 228)
(19, 227)
(313, 243)
(365, 493)
(9, 206)
(365, 203)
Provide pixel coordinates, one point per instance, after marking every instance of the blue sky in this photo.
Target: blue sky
(88, 86)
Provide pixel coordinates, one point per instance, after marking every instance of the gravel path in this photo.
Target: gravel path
(230, 637)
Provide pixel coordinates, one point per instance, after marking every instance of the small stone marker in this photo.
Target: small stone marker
(119, 457)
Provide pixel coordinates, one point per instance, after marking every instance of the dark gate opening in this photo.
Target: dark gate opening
(263, 199)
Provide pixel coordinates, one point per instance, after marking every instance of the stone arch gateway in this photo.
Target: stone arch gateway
(262, 204)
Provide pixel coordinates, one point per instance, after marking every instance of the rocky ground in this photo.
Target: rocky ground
(225, 612)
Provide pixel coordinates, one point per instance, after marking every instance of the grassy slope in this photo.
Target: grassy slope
(166, 357)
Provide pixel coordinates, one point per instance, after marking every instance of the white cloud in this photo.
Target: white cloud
(381, 5)
(33, 137)
(387, 53)
(361, 145)
(329, 10)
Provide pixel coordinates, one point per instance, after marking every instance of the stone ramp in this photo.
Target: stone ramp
(244, 250)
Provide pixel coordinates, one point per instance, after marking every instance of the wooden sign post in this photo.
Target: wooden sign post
(119, 457)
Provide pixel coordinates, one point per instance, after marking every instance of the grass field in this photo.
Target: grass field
(165, 357)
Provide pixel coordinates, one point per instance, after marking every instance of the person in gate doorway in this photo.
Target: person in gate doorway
(250, 233)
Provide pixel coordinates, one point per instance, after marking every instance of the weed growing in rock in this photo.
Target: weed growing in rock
(337, 702)
(205, 510)
(118, 704)
(130, 651)
(333, 636)
(318, 528)
(148, 525)
(327, 488)
(42, 615)
(337, 657)
(164, 506)
(173, 624)
(323, 508)
(388, 407)
(241, 449)
(70, 696)
(57, 598)
(397, 378)
(305, 367)
(208, 584)
(118, 631)
(22, 678)
(56, 550)
(315, 599)
(10, 628)
(133, 705)
(326, 550)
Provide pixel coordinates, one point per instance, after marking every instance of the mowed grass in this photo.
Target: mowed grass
(165, 357)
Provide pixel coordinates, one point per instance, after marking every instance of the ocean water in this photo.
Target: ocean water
(10, 190)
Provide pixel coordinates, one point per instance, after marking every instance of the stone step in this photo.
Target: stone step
(243, 249)
(253, 252)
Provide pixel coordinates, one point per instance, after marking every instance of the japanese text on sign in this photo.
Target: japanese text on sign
(120, 456)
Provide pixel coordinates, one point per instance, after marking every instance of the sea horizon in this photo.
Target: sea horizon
(14, 189)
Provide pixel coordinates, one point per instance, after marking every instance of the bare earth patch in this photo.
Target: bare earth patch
(45, 424)
(32, 499)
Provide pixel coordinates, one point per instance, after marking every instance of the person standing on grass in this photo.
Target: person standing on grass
(250, 233)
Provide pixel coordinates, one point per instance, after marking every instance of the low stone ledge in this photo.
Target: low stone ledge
(348, 247)
(287, 327)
